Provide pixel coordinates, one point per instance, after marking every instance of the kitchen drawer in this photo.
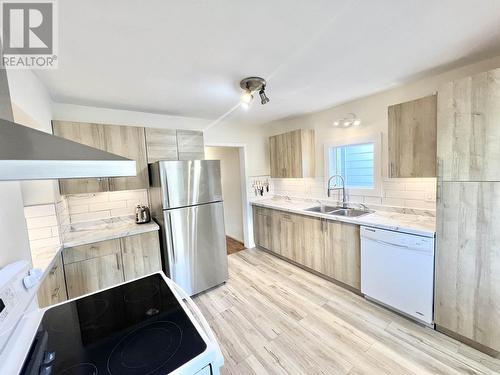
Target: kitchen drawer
(90, 251)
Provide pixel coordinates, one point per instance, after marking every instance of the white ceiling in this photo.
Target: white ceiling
(186, 57)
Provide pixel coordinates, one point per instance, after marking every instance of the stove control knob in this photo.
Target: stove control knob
(33, 278)
(49, 357)
(45, 370)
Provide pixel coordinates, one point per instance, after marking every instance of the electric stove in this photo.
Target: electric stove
(146, 326)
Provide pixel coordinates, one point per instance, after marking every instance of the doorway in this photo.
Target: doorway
(233, 193)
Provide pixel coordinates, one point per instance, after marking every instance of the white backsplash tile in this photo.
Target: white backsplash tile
(95, 206)
(405, 192)
(42, 222)
(39, 211)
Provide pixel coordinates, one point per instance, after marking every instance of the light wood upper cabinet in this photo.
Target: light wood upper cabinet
(468, 260)
(262, 224)
(190, 145)
(88, 134)
(469, 128)
(53, 288)
(292, 154)
(412, 138)
(129, 142)
(140, 254)
(343, 253)
(161, 144)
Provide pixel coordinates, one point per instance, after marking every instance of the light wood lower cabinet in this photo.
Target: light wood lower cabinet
(329, 247)
(309, 242)
(284, 234)
(262, 222)
(343, 253)
(140, 255)
(468, 261)
(89, 268)
(53, 288)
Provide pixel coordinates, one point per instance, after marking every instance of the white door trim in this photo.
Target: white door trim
(246, 211)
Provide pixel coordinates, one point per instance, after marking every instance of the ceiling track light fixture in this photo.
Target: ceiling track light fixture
(350, 120)
(251, 85)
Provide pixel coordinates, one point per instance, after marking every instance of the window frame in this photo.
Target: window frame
(376, 139)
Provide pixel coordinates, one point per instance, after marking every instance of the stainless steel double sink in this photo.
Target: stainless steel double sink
(338, 211)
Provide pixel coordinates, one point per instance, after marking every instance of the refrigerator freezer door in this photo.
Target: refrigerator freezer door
(189, 182)
(196, 246)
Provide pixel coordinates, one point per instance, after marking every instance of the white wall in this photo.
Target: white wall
(29, 94)
(13, 231)
(373, 112)
(81, 113)
(32, 106)
(231, 188)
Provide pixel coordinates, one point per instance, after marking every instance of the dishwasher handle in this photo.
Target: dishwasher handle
(392, 244)
(385, 242)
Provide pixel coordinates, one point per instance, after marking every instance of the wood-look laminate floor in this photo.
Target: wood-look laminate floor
(272, 317)
(233, 246)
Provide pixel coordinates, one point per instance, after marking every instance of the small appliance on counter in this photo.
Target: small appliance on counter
(145, 326)
(142, 214)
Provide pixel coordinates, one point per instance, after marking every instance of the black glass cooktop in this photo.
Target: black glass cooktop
(135, 328)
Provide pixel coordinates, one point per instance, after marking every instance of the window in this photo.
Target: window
(355, 163)
(358, 162)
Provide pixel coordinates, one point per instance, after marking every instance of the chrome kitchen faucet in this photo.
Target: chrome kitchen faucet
(329, 189)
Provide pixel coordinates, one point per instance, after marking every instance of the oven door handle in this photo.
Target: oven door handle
(201, 319)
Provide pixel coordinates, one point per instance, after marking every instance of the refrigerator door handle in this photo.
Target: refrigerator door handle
(170, 240)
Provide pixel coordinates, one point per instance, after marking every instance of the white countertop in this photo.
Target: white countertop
(105, 229)
(44, 257)
(422, 225)
(89, 232)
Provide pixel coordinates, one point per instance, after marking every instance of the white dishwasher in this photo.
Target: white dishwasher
(397, 270)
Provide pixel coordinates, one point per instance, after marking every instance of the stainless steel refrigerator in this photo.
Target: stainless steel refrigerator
(186, 201)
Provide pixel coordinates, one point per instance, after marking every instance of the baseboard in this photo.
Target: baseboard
(473, 344)
(234, 239)
(314, 272)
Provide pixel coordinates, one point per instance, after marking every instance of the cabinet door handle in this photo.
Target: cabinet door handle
(54, 269)
(391, 172)
(55, 292)
(439, 171)
(118, 261)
